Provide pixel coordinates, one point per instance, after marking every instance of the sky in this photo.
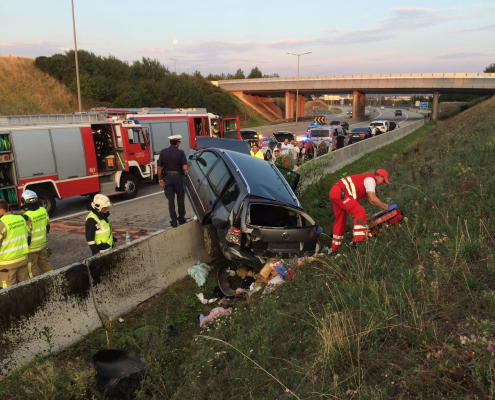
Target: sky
(344, 37)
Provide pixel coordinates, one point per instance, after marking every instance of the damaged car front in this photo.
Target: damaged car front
(247, 208)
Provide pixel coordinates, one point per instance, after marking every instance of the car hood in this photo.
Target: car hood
(262, 178)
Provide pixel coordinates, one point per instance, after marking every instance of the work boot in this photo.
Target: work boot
(173, 224)
(182, 221)
(355, 245)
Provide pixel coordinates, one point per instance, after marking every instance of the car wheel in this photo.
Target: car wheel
(46, 200)
(211, 241)
(129, 183)
(268, 155)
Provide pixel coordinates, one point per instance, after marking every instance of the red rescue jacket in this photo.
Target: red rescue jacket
(354, 185)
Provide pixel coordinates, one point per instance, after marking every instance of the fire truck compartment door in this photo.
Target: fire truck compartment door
(68, 149)
(161, 131)
(33, 152)
(138, 149)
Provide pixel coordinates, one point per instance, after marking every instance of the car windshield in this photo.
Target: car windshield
(246, 135)
(359, 130)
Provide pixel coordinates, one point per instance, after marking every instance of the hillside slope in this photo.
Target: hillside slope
(25, 89)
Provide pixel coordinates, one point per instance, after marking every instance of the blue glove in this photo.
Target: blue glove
(392, 207)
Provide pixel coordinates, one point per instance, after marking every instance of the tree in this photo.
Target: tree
(255, 73)
(239, 74)
(490, 68)
(275, 75)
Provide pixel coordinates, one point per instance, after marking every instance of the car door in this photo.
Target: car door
(199, 165)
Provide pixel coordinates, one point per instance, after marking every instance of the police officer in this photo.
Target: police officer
(15, 236)
(172, 164)
(99, 235)
(40, 227)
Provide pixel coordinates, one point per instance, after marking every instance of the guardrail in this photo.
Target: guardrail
(53, 312)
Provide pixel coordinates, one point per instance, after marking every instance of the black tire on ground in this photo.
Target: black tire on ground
(130, 184)
(47, 200)
(268, 155)
(211, 240)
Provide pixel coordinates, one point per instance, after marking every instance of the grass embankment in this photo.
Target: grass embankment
(407, 316)
(24, 89)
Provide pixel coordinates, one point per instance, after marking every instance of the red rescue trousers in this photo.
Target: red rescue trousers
(340, 208)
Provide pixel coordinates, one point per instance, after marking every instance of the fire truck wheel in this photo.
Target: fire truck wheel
(211, 240)
(46, 200)
(129, 183)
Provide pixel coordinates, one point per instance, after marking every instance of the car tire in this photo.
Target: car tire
(268, 155)
(130, 184)
(47, 200)
(211, 241)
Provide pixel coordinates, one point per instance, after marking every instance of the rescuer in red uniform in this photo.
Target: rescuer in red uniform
(345, 195)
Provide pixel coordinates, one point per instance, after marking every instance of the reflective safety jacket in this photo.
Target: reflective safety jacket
(354, 185)
(259, 154)
(14, 247)
(103, 232)
(39, 222)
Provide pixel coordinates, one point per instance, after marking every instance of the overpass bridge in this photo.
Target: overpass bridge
(258, 93)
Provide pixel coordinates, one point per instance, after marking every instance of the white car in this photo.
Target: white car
(382, 108)
(383, 126)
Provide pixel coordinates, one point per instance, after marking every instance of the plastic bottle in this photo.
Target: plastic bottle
(127, 238)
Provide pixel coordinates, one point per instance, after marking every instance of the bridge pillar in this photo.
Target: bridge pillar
(289, 105)
(358, 104)
(302, 100)
(435, 105)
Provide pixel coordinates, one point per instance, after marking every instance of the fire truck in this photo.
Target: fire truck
(160, 123)
(65, 155)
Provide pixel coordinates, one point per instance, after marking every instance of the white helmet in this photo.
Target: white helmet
(29, 197)
(101, 201)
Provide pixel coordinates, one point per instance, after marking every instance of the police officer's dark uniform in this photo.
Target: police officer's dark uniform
(171, 162)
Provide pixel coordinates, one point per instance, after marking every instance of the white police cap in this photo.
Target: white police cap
(175, 137)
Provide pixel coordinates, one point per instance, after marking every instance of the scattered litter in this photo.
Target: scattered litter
(215, 313)
(272, 285)
(121, 319)
(231, 272)
(199, 271)
(170, 329)
(202, 299)
(119, 372)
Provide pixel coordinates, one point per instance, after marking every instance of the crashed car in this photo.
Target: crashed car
(247, 207)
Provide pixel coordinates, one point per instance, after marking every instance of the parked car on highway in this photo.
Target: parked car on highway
(340, 122)
(383, 126)
(358, 134)
(349, 112)
(382, 108)
(267, 145)
(282, 135)
(322, 137)
(250, 136)
(247, 207)
(398, 112)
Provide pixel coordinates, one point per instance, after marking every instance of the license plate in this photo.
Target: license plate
(284, 246)
(356, 136)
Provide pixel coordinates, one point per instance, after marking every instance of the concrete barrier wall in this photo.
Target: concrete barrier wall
(342, 157)
(54, 311)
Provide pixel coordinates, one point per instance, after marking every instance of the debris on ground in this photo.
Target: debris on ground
(199, 272)
(215, 313)
(119, 372)
(202, 299)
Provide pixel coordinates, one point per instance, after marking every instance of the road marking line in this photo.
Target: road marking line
(115, 205)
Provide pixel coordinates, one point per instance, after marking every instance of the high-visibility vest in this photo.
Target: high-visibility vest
(14, 247)
(39, 222)
(103, 232)
(259, 154)
(354, 185)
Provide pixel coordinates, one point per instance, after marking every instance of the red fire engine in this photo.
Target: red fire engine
(65, 155)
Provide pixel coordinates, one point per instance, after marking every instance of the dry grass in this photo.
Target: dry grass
(24, 89)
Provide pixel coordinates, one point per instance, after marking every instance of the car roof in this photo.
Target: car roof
(270, 185)
(203, 142)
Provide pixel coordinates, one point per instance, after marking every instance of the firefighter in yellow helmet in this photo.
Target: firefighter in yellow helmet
(15, 235)
(40, 227)
(99, 233)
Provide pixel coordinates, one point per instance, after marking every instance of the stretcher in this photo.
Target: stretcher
(384, 220)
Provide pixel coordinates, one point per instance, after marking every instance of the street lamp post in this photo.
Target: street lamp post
(175, 64)
(297, 88)
(77, 64)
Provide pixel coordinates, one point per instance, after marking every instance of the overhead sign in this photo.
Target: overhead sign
(417, 103)
(320, 119)
(423, 105)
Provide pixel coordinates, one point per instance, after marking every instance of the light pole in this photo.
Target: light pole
(297, 88)
(175, 64)
(77, 64)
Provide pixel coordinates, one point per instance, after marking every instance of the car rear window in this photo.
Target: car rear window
(335, 122)
(376, 124)
(271, 216)
(282, 136)
(319, 132)
(359, 130)
(219, 177)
